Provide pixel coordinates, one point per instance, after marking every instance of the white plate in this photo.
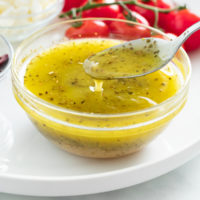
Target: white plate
(30, 165)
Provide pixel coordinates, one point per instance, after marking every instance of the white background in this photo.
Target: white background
(181, 184)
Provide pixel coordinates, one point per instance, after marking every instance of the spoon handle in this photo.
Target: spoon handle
(187, 33)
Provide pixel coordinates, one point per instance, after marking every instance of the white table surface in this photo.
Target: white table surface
(180, 184)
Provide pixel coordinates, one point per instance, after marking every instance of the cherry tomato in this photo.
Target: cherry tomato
(129, 32)
(88, 29)
(150, 15)
(69, 4)
(104, 1)
(106, 11)
(178, 21)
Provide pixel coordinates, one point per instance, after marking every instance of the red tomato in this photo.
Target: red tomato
(89, 29)
(69, 4)
(150, 15)
(106, 11)
(178, 21)
(130, 32)
(104, 1)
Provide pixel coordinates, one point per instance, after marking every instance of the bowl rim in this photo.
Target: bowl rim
(52, 7)
(87, 114)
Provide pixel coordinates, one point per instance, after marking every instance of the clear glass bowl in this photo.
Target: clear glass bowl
(86, 134)
(17, 28)
(6, 48)
(6, 138)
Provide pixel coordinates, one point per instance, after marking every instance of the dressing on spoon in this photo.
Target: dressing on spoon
(124, 60)
(135, 58)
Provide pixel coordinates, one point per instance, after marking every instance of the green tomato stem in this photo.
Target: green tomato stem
(129, 15)
(89, 6)
(156, 18)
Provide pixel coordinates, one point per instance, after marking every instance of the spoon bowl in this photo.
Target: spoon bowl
(134, 58)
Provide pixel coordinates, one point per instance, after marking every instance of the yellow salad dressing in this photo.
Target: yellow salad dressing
(57, 76)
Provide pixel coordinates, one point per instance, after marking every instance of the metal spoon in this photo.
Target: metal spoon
(135, 58)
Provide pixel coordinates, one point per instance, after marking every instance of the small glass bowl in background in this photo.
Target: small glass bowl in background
(6, 138)
(28, 24)
(6, 48)
(87, 134)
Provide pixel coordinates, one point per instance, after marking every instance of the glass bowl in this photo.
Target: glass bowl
(6, 48)
(17, 28)
(87, 134)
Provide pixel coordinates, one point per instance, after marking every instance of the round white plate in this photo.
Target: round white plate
(30, 165)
